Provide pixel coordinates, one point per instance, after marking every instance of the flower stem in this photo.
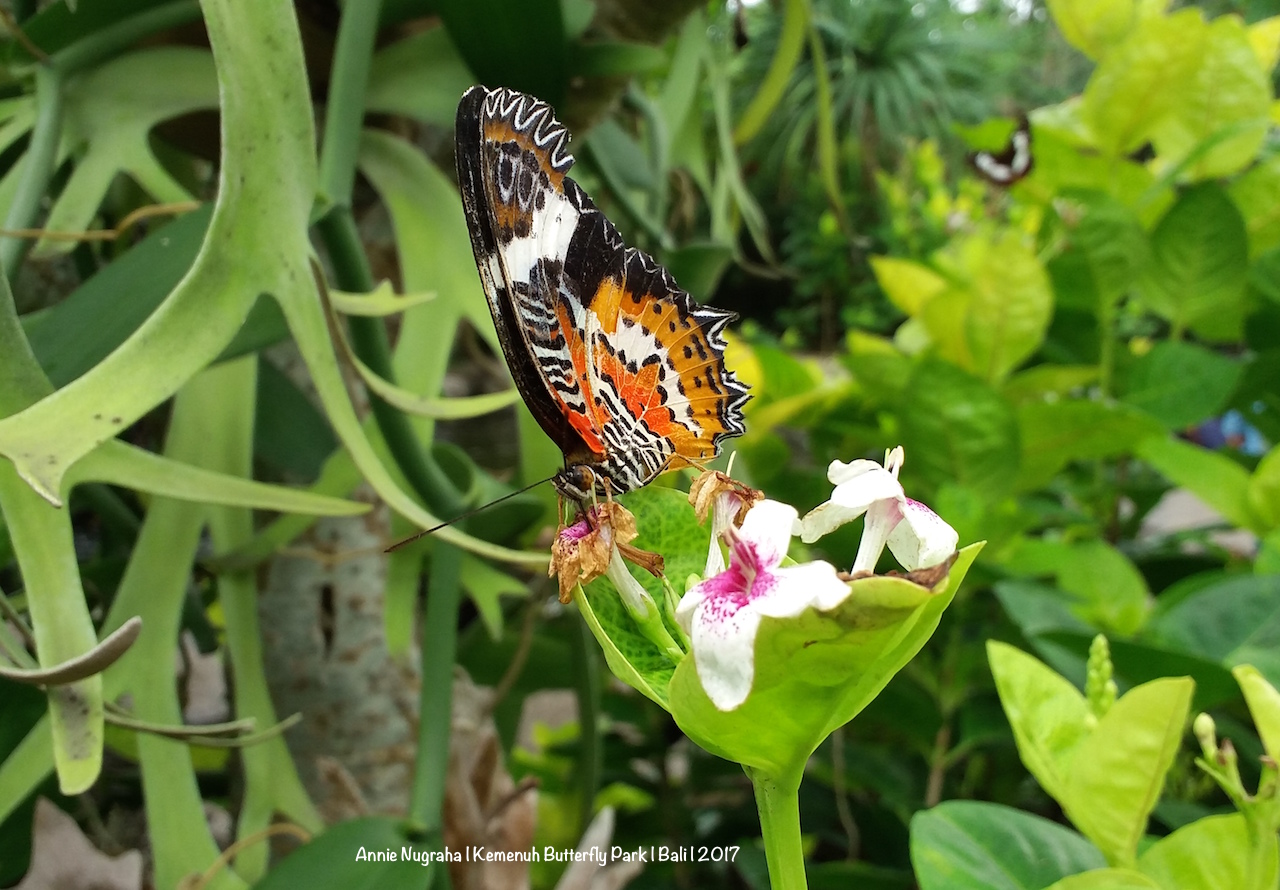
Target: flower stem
(778, 800)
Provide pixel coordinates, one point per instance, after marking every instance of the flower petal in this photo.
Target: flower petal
(766, 530)
(923, 538)
(839, 472)
(849, 500)
(723, 640)
(796, 588)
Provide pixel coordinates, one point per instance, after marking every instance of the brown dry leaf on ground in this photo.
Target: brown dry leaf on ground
(62, 858)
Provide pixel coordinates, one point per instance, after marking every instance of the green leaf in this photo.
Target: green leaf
(333, 859)
(1264, 490)
(1181, 384)
(1044, 383)
(1213, 853)
(971, 845)
(1200, 264)
(495, 39)
(1105, 772)
(666, 525)
(1223, 112)
(1111, 593)
(1264, 706)
(421, 76)
(816, 672)
(1257, 195)
(1140, 80)
(1055, 433)
(1107, 879)
(957, 429)
(908, 285)
(1233, 621)
(485, 585)
(1111, 242)
(1094, 26)
(1214, 478)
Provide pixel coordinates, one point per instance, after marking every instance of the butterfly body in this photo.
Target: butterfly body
(618, 365)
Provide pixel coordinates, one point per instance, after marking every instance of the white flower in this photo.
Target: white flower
(722, 613)
(917, 536)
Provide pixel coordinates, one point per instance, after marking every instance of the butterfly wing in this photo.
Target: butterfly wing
(511, 158)
(618, 365)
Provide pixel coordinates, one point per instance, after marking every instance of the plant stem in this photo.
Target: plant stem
(344, 113)
(778, 800)
(588, 692)
(37, 167)
(439, 648)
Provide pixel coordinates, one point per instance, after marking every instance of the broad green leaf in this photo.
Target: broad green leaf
(815, 672)
(1227, 101)
(666, 525)
(1111, 593)
(344, 856)
(1066, 159)
(1107, 879)
(1055, 433)
(1105, 772)
(1111, 242)
(1234, 621)
(494, 38)
(1047, 382)
(1264, 40)
(908, 285)
(1200, 265)
(1264, 706)
(1094, 26)
(1212, 853)
(957, 429)
(1257, 195)
(110, 112)
(485, 585)
(1141, 79)
(1214, 478)
(421, 76)
(972, 845)
(1180, 384)
(1264, 490)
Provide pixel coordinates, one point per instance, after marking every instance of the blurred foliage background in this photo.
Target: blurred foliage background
(199, 201)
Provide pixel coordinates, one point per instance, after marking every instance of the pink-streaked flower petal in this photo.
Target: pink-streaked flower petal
(723, 643)
(767, 528)
(922, 539)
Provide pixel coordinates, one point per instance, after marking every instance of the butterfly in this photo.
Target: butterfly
(1011, 163)
(621, 369)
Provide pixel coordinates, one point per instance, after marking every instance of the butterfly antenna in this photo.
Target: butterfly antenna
(467, 515)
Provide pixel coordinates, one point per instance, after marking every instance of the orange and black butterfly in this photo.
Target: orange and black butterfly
(618, 365)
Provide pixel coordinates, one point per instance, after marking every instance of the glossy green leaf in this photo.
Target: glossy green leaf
(1200, 264)
(1107, 879)
(1257, 195)
(495, 37)
(957, 429)
(972, 845)
(1181, 384)
(1246, 632)
(816, 672)
(341, 857)
(1264, 706)
(1212, 853)
(1094, 26)
(1110, 591)
(1140, 80)
(1214, 478)
(1226, 100)
(666, 525)
(1264, 490)
(1107, 772)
